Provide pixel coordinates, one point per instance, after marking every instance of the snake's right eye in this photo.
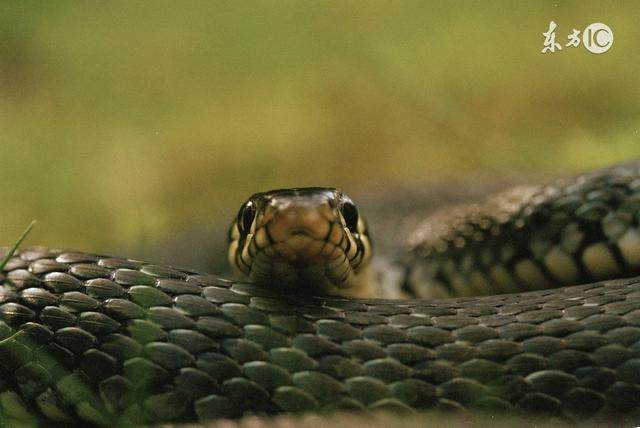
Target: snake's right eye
(350, 215)
(245, 217)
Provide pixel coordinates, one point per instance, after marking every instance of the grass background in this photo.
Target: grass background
(124, 122)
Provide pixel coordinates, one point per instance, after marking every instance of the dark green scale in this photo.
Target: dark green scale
(115, 352)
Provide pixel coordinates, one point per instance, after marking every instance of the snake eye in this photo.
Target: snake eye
(245, 217)
(350, 214)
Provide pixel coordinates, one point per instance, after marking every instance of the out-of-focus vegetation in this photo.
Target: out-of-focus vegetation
(123, 121)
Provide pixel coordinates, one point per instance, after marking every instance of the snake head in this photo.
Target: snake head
(312, 238)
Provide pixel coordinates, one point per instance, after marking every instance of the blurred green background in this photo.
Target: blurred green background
(123, 124)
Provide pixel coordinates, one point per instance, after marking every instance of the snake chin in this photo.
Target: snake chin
(298, 278)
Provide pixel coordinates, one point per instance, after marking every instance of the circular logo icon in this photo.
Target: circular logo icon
(597, 38)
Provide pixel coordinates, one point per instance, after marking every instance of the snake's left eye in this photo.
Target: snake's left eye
(245, 217)
(350, 213)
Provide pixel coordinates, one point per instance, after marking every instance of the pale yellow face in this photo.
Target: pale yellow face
(312, 238)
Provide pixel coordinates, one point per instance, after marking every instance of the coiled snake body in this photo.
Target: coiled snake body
(101, 340)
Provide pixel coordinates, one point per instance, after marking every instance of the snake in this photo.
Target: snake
(525, 305)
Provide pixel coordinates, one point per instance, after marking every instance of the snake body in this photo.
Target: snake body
(93, 339)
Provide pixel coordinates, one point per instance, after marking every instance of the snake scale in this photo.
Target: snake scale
(94, 339)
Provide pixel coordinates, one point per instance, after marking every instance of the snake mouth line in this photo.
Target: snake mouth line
(301, 231)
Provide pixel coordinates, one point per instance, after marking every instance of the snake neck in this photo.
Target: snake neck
(382, 278)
